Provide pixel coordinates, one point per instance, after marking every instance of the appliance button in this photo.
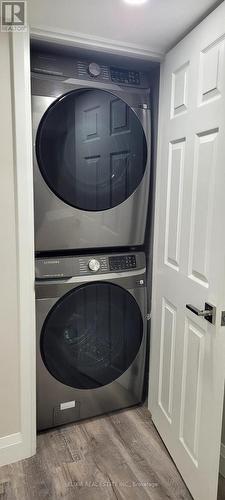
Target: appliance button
(94, 265)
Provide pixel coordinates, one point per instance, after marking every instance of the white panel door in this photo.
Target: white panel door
(187, 363)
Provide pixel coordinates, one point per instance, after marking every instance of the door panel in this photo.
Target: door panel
(204, 170)
(211, 61)
(179, 93)
(191, 388)
(187, 366)
(166, 372)
(174, 203)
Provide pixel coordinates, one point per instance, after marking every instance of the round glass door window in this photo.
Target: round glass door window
(91, 335)
(91, 149)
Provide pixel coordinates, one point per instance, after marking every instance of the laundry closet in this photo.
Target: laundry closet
(93, 155)
(119, 202)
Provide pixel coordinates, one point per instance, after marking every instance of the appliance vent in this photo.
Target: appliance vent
(82, 67)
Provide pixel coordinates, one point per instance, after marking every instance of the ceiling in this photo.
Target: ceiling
(151, 27)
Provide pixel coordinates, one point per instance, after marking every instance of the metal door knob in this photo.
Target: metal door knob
(94, 265)
(209, 313)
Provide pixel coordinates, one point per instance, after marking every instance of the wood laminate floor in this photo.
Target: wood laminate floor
(118, 456)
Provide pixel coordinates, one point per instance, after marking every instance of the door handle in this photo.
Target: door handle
(209, 313)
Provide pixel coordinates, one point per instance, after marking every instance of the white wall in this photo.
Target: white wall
(17, 327)
(9, 334)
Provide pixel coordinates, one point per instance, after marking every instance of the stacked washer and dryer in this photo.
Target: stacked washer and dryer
(91, 129)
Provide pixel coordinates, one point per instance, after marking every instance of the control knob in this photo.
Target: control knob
(94, 265)
(94, 69)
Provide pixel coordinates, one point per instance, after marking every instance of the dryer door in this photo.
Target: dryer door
(91, 149)
(92, 335)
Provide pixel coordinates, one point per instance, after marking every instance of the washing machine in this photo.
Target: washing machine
(91, 335)
(92, 150)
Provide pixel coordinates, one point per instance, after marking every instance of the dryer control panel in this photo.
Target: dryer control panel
(69, 67)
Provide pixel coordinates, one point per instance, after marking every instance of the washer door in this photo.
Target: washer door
(91, 335)
(91, 149)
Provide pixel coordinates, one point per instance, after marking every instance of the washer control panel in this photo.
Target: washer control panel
(88, 265)
(122, 262)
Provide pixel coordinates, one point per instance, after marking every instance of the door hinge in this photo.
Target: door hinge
(144, 106)
(223, 318)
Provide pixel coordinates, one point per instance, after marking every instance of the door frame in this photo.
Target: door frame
(22, 444)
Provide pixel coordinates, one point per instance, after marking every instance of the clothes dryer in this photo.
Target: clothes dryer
(92, 149)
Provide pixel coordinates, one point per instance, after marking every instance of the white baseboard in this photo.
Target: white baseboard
(10, 440)
(14, 448)
(11, 448)
(222, 460)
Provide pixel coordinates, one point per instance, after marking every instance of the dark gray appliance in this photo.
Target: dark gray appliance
(91, 335)
(92, 148)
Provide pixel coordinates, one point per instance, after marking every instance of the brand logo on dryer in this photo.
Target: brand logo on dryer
(47, 262)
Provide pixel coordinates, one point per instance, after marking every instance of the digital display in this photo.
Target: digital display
(120, 75)
(122, 262)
